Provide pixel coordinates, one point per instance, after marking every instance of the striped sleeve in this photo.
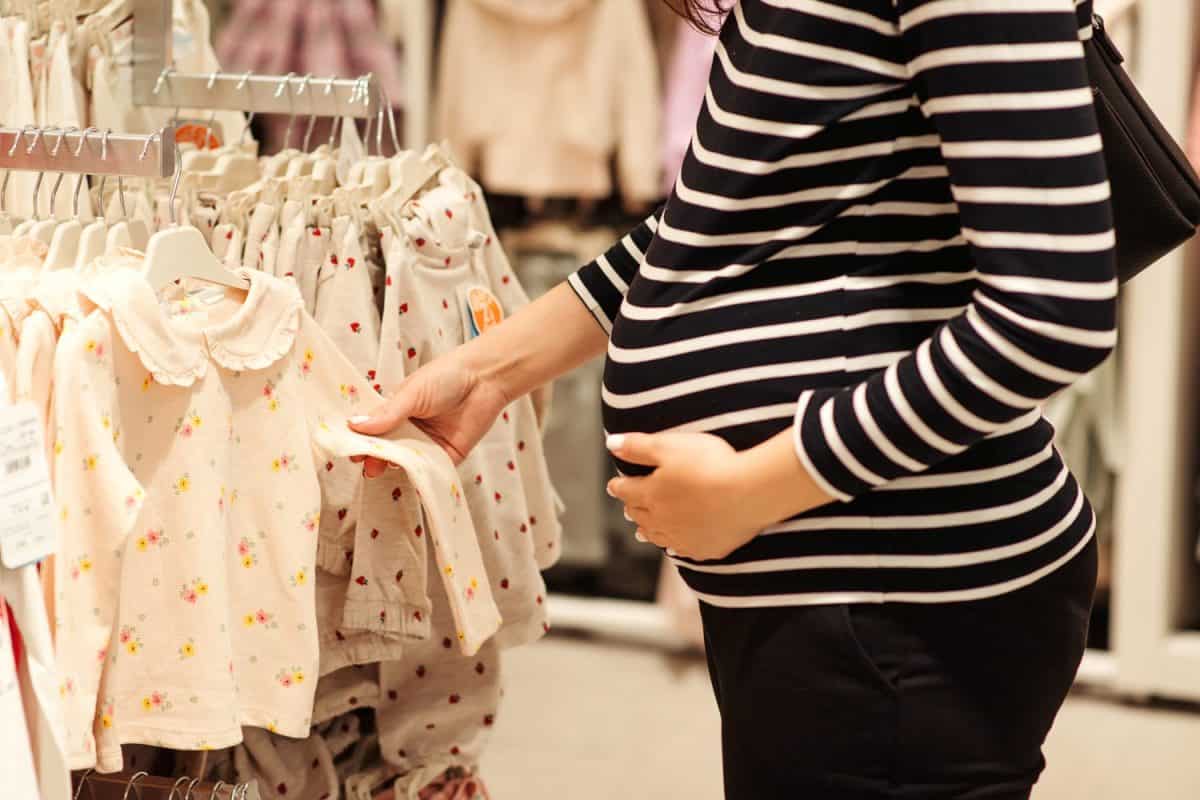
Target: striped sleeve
(1005, 86)
(602, 284)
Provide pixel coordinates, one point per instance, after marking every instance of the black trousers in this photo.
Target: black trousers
(897, 701)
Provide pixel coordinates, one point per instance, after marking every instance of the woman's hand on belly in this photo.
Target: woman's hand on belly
(704, 499)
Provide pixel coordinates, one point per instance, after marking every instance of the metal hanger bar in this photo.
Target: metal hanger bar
(260, 94)
(152, 29)
(113, 787)
(128, 155)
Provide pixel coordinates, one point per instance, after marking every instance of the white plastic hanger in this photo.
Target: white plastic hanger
(14, 222)
(236, 166)
(277, 165)
(26, 227)
(92, 240)
(64, 246)
(203, 158)
(181, 252)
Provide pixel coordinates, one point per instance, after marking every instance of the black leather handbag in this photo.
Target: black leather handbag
(1155, 192)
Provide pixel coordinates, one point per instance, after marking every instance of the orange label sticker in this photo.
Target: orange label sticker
(200, 135)
(484, 308)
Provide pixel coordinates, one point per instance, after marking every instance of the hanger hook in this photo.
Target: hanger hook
(178, 171)
(333, 123)
(165, 77)
(304, 83)
(83, 138)
(133, 784)
(213, 794)
(285, 83)
(312, 117)
(149, 141)
(82, 780)
(250, 119)
(39, 135)
(391, 114)
(174, 794)
(212, 118)
(62, 135)
(20, 137)
(191, 787)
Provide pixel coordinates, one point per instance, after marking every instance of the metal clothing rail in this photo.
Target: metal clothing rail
(89, 152)
(142, 786)
(155, 84)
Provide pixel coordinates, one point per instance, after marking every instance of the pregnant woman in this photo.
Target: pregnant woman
(891, 240)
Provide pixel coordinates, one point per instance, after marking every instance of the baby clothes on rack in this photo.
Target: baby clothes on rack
(108, 39)
(168, 435)
(437, 298)
(437, 709)
(17, 100)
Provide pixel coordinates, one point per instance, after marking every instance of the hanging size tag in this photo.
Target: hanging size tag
(27, 532)
(482, 309)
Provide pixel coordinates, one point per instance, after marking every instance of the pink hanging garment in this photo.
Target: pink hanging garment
(687, 79)
(322, 38)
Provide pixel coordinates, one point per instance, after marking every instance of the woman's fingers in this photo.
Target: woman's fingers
(386, 417)
(630, 491)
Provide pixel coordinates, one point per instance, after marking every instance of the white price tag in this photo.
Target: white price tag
(27, 532)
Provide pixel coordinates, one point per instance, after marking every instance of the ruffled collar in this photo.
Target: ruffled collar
(176, 349)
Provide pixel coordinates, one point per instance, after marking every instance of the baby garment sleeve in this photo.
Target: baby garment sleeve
(1020, 140)
(98, 501)
(337, 393)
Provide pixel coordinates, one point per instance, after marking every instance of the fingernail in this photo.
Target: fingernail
(615, 441)
(627, 517)
(609, 491)
(671, 552)
(359, 420)
(638, 535)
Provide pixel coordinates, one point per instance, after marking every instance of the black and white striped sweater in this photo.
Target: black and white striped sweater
(892, 232)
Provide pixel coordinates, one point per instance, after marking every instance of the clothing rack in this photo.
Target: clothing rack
(155, 84)
(142, 786)
(89, 152)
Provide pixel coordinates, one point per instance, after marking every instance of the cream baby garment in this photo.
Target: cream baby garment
(528, 416)
(188, 448)
(437, 708)
(345, 309)
(436, 296)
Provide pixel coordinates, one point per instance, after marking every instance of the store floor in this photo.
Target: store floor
(594, 721)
